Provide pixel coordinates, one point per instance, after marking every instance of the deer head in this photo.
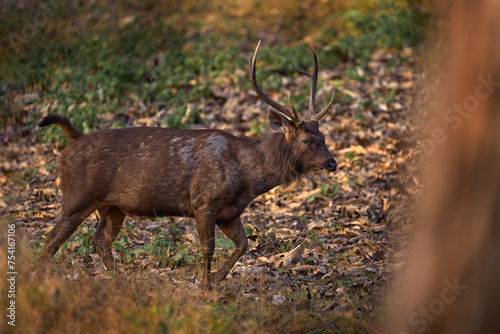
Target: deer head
(303, 135)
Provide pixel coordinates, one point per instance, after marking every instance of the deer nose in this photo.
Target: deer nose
(332, 165)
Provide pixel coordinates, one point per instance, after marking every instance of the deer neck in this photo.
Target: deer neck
(269, 162)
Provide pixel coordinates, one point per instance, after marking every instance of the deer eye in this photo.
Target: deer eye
(308, 143)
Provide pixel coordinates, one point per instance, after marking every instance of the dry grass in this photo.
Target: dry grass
(76, 300)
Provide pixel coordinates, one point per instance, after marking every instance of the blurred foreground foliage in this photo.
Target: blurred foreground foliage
(95, 57)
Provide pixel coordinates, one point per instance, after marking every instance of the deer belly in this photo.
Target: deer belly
(152, 201)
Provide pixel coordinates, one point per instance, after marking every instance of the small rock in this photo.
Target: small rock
(278, 300)
(251, 295)
(153, 227)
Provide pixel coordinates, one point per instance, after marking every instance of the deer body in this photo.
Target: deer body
(210, 175)
(169, 172)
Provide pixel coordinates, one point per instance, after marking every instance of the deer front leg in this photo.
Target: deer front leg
(205, 223)
(234, 231)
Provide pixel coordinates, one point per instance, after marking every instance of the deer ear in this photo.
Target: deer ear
(278, 122)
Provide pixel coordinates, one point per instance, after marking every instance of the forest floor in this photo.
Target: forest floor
(322, 251)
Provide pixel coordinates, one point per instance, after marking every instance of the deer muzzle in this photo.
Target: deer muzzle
(331, 166)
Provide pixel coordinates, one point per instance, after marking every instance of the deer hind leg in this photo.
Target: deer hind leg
(71, 218)
(234, 231)
(111, 221)
(205, 223)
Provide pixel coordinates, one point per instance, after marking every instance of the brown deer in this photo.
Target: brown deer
(206, 174)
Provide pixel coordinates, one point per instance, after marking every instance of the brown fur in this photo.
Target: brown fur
(206, 174)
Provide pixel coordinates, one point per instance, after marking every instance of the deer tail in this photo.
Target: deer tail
(63, 122)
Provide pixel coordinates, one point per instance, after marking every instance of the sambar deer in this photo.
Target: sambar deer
(210, 175)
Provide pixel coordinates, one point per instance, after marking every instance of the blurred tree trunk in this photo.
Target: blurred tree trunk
(454, 282)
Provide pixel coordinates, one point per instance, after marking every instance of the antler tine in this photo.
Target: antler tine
(279, 108)
(293, 108)
(314, 80)
(323, 112)
(307, 74)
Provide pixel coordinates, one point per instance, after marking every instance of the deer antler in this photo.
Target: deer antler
(314, 79)
(279, 108)
(323, 112)
(312, 95)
